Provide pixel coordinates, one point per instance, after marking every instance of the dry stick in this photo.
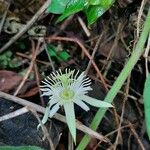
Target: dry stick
(111, 133)
(27, 26)
(28, 57)
(14, 114)
(59, 117)
(44, 129)
(129, 140)
(4, 16)
(94, 51)
(136, 136)
(37, 77)
(29, 69)
(83, 25)
(49, 57)
(111, 52)
(146, 56)
(139, 17)
(75, 40)
(123, 110)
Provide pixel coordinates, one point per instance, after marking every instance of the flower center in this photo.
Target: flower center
(67, 95)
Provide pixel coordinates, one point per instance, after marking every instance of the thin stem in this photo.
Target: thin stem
(139, 49)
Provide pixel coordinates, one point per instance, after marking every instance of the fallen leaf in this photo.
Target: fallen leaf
(9, 80)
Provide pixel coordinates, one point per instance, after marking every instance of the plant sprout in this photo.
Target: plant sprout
(67, 89)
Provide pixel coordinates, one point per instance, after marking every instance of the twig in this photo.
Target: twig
(29, 58)
(112, 50)
(122, 114)
(44, 129)
(49, 57)
(14, 114)
(37, 77)
(146, 56)
(136, 136)
(29, 69)
(75, 40)
(4, 16)
(59, 117)
(85, 29)
(94, 51)
(139, 17)
(27, 26)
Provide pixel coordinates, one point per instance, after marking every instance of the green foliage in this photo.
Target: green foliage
(6, 60)
(60, 56)
(73, 7)
(20, 148)
(57, 6)
(92, 8)
(146, 96)
(93, 13)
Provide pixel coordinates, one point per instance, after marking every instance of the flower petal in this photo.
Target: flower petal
(46, 91)
(95, 102)
(53, 100)
(82, 105)
(46, 114)
(70, 118)
(53, 110)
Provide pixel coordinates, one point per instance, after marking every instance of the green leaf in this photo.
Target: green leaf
(94, 2)
(51, 50)
(93, 13)
(60, 56)
(63, 56)
(95, 102)
(146, 96)
(70, 118)
(73, 7)
(57, 6)
(20, 148)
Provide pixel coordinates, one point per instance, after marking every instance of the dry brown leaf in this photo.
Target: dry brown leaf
(119, 52)
(9, 80)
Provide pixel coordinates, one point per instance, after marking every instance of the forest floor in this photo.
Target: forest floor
(101, 50)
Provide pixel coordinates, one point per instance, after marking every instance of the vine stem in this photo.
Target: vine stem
(139, 49)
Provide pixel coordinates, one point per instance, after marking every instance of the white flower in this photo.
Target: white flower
(65, 89)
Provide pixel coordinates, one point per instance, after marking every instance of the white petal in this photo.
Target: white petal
(95, 102)
(53, 100)
(46, 114)
(81, 76)
(53, 110)
(82, 105)
(70, 118)
(46, 89)
(75, 77)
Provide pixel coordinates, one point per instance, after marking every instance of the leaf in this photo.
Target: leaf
(9, 80)
(73, 7)
(51, 50)
(63, 56)
(146, 96)
(57, 6)
(93, 13)
(94, 2)
(106, 3)
(60, 56)
(20, 148)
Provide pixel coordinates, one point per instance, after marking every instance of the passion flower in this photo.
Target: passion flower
(67, 89)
